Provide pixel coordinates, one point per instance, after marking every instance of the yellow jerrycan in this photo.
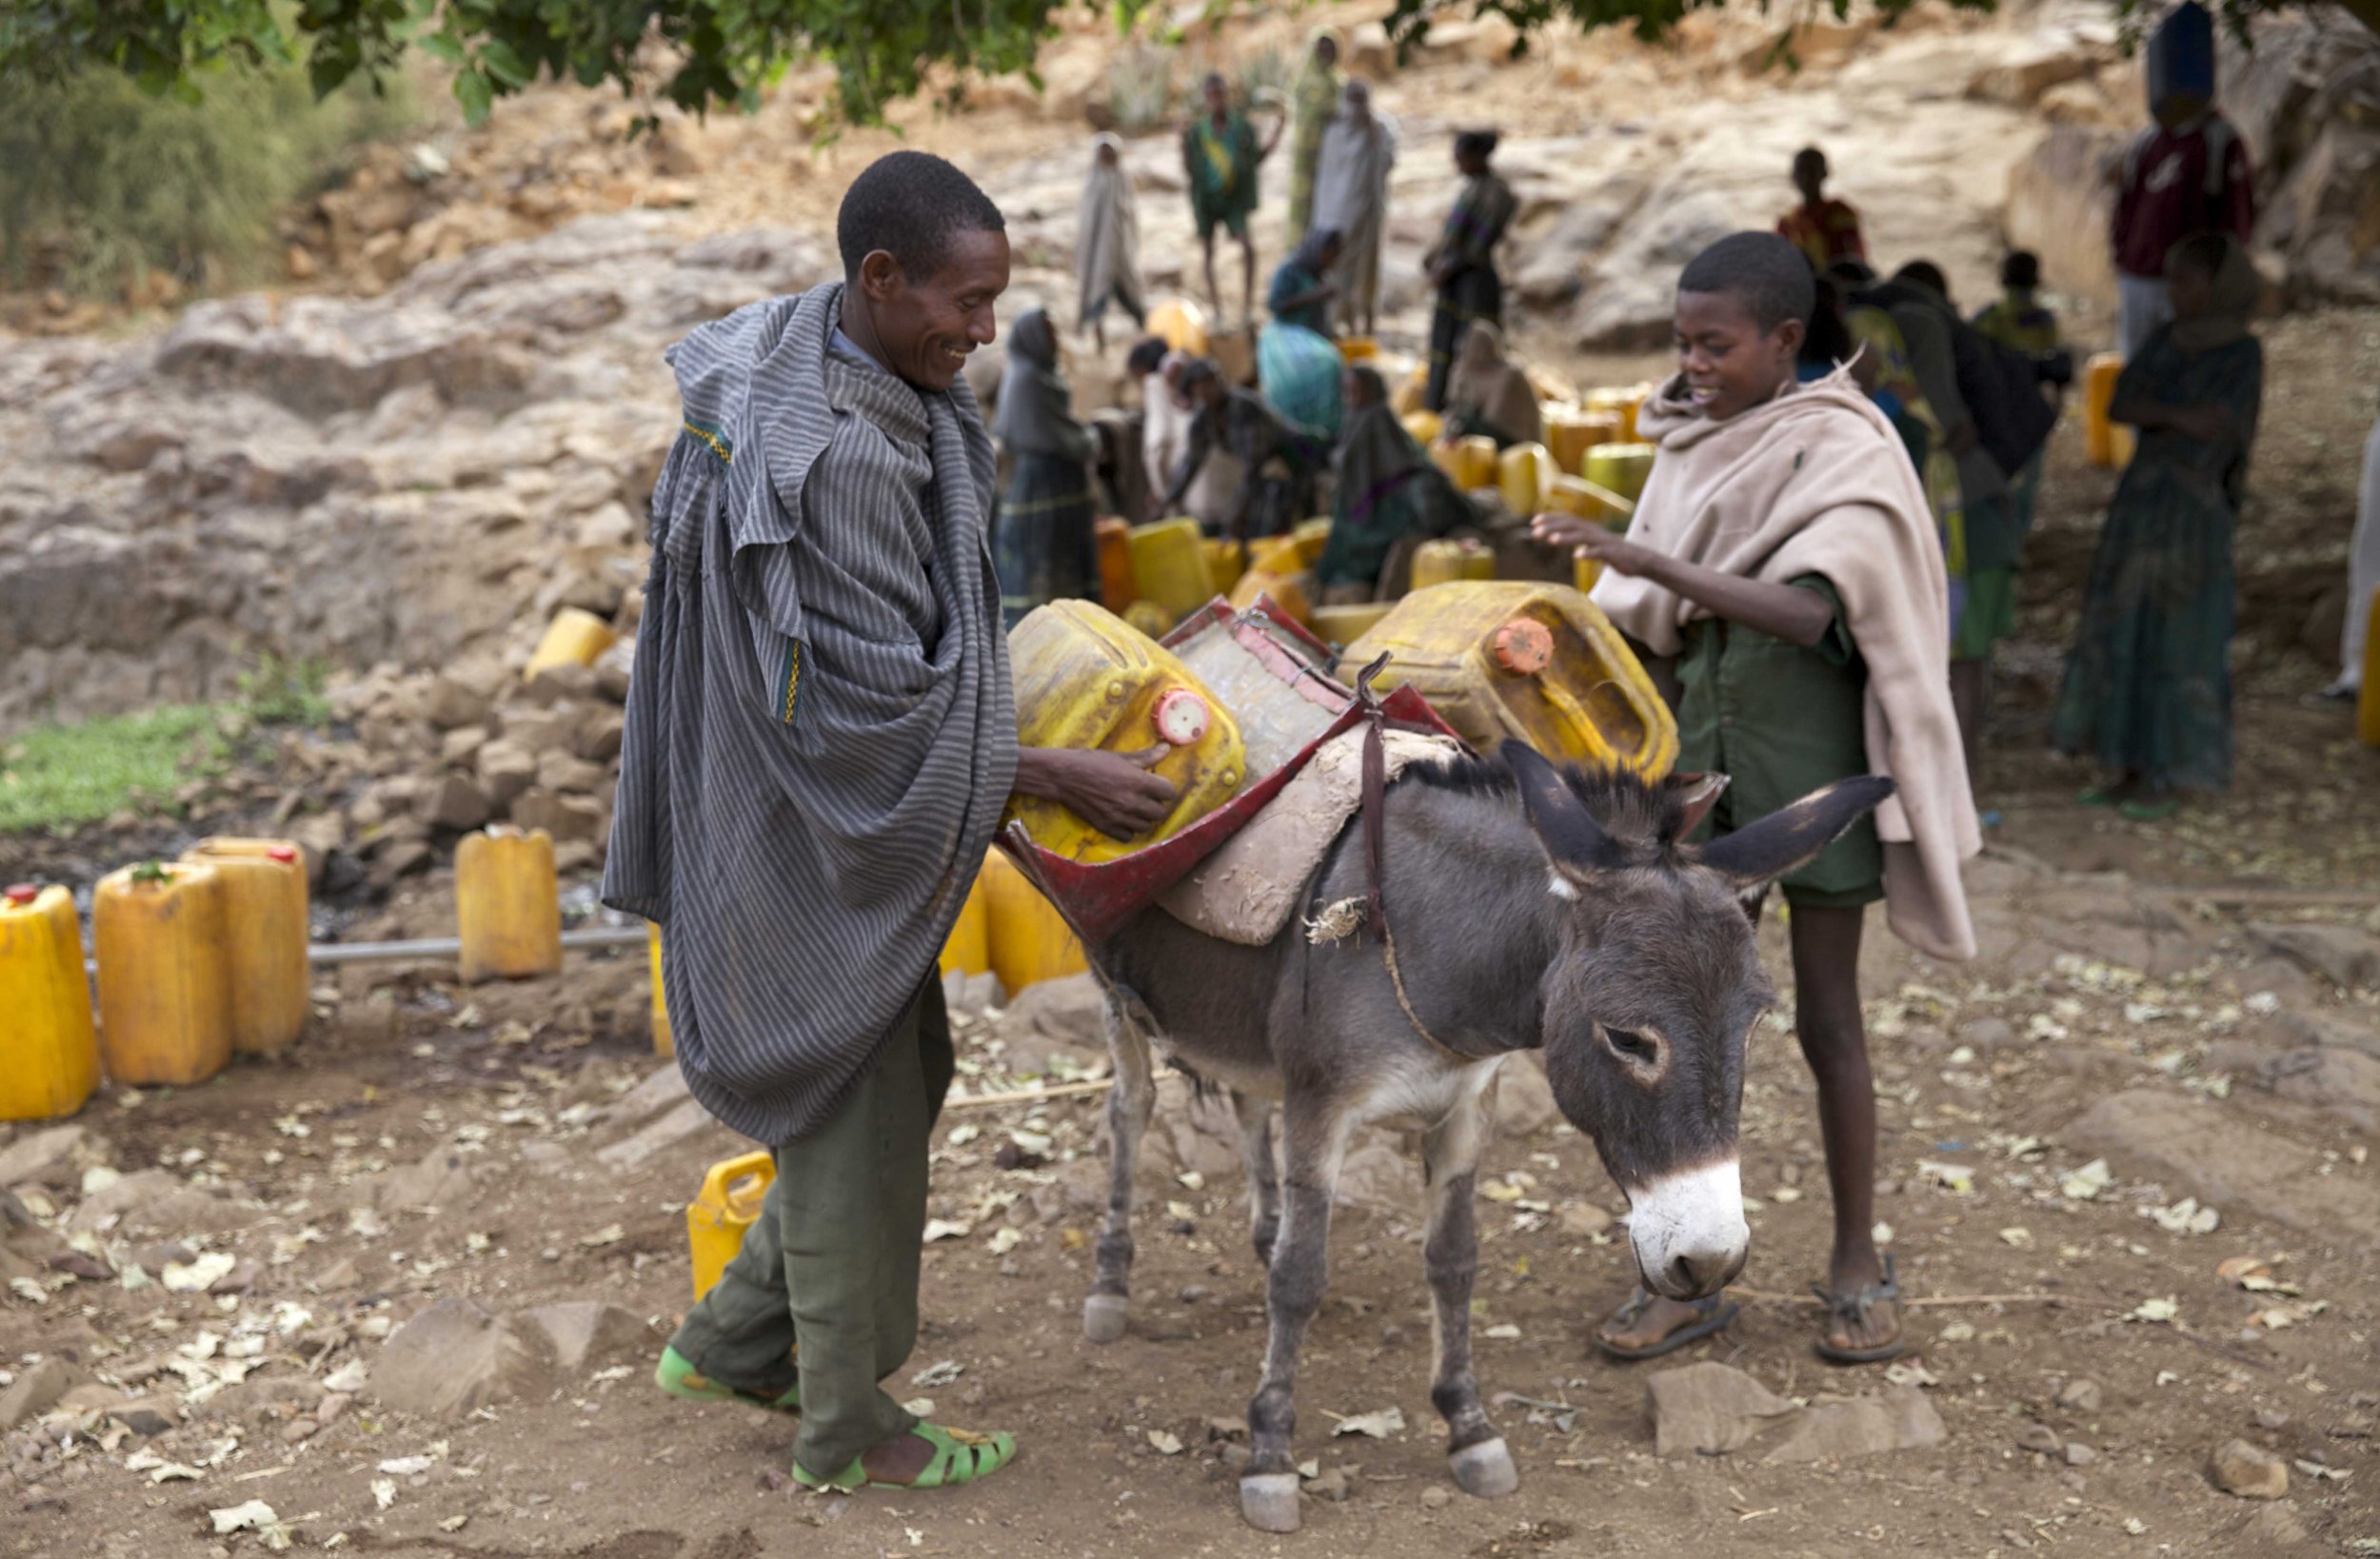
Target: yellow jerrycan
(1570, 434)
(507, 904)
(2105, 442)
(1345, 625)
(1423, 427)
(574, 638)
(1030, 940)
(1621, 468)
(1524, 472)
(968, 951)
(664, 1042)
(49, 1053)
(1469, 463)
(164, 997)
(1440, 562)
(1225, 563)
(1279, 567)
(1622, 404)
(1181, 324)
(1086, 678)
(1512, 658)
(724, 1213)
(265, 935)
(1169, 566)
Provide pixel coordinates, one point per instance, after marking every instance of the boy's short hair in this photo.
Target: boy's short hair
(1148, 355)
(1477, 142)
(2203, 252)
(2022, 269)
(1199, 372)
(911, 204)
(1808, 155)
(1925, 273)
(1769, 274)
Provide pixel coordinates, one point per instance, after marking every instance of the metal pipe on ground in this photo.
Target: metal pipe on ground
(445, 947)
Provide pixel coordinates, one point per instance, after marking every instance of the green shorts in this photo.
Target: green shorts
(1990, 613)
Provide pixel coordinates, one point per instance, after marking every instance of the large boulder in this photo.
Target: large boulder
(456, 1357)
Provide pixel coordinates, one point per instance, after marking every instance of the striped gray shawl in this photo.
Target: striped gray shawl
(819, 730)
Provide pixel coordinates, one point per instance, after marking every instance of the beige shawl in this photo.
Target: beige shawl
(1816, 482)
(1486, 385)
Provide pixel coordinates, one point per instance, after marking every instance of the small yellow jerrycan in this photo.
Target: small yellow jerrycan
(574, 638)
(164, 997)
(1621, 468)
(2105, 442)
(717, 1220)
(1084, 678)
(1169, 565)
(265, 934)
(48, 1053)
(507, 904)
(1030, 940)
(969, 949)
(664, 1042)
(1442, 561)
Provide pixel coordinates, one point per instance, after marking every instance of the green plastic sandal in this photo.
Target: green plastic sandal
(681, 1379)
(960, 1457)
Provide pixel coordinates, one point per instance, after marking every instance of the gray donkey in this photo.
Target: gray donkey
(1525, 909)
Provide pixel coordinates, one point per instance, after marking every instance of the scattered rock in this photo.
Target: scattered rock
(455, 1357)
(679, 1124)
(1437, 1496)
(147, 1415)
(2080, 1454)
(2342, 955)
(1379, 1175)
(2223, 1160)
(2248, 1471)
(2346, 1082)
(1898, 1419)
(1331, 1486)
(1524, 1100)
(2080, 1396)
(587, 1335)
(2040, 1438)
(451, 704)
(1709, 1408)
(54, 1156)
(664, 1088)
(39, 1388)
(1988, 1033)
(444, 1179)
(454, 802)
(1583, 1220)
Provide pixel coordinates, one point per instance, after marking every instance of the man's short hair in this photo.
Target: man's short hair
(1807, 156)
(1200, 371)
(911, 204)
(2022, 269)
(1148, 355)
(1925, 273)
(1767, 273)
(1477, 142)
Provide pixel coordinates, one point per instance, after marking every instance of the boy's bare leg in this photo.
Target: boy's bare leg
(1247, 281)
(1835, 1044)
(1213, 293)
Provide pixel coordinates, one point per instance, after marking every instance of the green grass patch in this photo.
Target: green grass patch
(59, 777)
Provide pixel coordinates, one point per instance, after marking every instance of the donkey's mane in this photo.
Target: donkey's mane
(1620, 799)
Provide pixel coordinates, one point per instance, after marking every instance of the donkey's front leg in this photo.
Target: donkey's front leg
(1256, 1146)
(1129, 1099)
(1314, 1138)
(1450, 1253)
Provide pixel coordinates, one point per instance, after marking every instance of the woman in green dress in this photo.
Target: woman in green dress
(2147, 688)
(1313, 99)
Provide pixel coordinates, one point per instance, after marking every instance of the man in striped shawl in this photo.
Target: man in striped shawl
(1462, 262)
(820, 740)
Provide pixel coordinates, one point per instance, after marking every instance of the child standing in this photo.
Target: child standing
(1783, 552)
(2147, 688)
(2021, 322)
(1107, 243)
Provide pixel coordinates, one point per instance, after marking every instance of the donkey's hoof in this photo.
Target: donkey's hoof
(1269, 1501)
(1485, 1469)
(1104, 1316)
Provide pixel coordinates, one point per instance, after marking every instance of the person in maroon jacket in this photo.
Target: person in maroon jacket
(2188, 174)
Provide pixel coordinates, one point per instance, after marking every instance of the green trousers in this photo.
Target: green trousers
(825, 1288)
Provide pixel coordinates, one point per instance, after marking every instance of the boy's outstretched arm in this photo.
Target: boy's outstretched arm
(1782, 611)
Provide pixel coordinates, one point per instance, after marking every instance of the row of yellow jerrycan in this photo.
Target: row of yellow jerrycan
(199, 959)
(2105, 442)
(1005, 928)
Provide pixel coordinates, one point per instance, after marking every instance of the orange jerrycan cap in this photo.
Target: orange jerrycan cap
(22, 894)
(285, 853)
(1524, 647)
(1182, 717)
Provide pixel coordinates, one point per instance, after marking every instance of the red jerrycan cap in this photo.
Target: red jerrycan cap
(21, 894)
(1182, 717)
(285, 853)
(1524, 647)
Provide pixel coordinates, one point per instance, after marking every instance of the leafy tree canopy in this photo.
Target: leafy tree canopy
(723, 52)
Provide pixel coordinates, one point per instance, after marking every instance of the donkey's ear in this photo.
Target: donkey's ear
(1792, 838)
(1697, 795)
(1560, 820)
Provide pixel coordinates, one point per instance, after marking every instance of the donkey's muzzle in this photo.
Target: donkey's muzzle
(1688, 1230)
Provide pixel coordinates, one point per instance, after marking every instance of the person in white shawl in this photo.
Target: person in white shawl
(1107, 243)
(1784, 551)
(1351, 198)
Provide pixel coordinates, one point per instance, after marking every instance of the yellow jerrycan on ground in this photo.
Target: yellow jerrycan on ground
(49, 1051)
(1029, 941)
(1524, 472)
(1512, 658)
(1622, 404)
(1621, 468)
(1086, 678)
(1181, 324)
(664, 1042)
(724, 1213)
(574, 638)
(2105, 442)
(265, 937)
(968, 951)
(1345, 625)
(1280, 566)
(1169, 566)
(507, 904)
(164, 994)
(1442, 563)
(1570, 434)
(1422, 428)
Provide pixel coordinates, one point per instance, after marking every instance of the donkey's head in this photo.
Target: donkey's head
(1656, 988)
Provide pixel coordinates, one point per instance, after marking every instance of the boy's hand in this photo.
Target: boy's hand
(1114, 793)
(1587, 539)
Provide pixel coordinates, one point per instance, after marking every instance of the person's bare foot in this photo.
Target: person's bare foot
(898, 1460)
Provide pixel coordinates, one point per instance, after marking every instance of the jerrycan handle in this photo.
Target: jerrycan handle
(727, 1173)
(1572, 710)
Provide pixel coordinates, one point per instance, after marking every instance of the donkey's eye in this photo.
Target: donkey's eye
(1634, 1046)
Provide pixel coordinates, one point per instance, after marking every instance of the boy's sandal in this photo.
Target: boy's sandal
(1711, 1314)
(1853, 1309)
(2097, 796)
(2139, 810)
(960, 1457)
(679, 1379)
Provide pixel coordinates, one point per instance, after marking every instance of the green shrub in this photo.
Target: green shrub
(99, 181)
(61, 775)
(1140, 87)
(1264, 77)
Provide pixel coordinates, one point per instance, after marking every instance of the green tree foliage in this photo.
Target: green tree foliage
(101, 180)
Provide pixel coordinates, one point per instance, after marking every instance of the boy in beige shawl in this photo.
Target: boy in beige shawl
(1784, 553)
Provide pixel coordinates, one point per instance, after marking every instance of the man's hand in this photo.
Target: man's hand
(2207, 423)
(1589, 539)
(1114, 793)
